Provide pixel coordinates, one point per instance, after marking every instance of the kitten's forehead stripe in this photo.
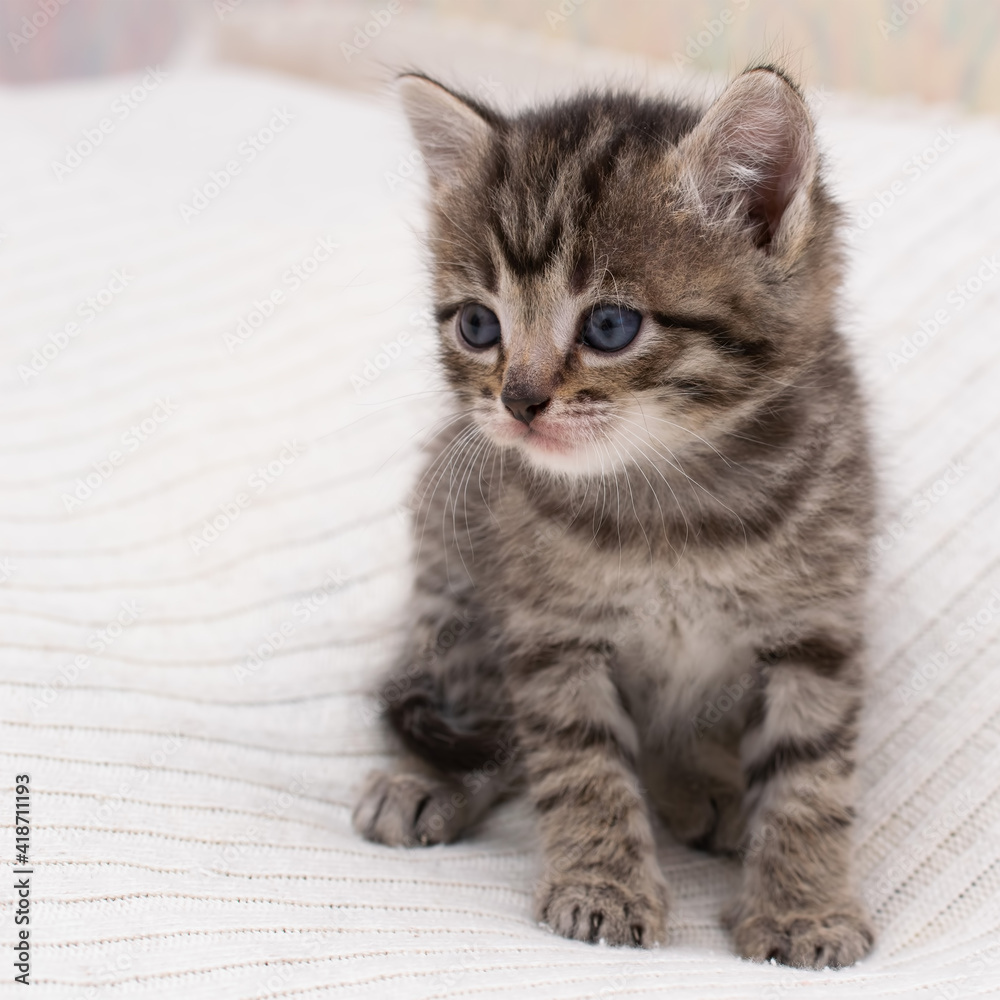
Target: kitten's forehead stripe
(526, 257)
(568, 155)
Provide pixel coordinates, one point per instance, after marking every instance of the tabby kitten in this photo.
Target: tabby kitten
(640, 577)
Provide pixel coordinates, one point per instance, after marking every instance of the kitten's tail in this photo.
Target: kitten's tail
(454, 738)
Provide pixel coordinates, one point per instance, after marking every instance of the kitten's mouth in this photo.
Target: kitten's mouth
(569, 443)
(560, 438)
(546, 440)
(540, 434)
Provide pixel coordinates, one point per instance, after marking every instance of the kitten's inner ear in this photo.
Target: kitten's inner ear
(753, 155)
(449, 130)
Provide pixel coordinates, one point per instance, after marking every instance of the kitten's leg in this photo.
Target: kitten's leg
(446, 704)
(797, 904)
(601, 879)
(415, 806)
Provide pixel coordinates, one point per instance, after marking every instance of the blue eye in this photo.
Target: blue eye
(610, 327)
(479, 325)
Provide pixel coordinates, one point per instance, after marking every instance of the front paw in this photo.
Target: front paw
(818, 939)
(406, 810)
(585, 907)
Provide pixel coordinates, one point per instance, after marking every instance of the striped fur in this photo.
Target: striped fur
(652, 595)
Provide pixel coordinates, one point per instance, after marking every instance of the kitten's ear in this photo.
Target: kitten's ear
(449, 129)
(752, 158)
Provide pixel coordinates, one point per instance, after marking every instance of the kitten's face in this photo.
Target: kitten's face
(606, 296)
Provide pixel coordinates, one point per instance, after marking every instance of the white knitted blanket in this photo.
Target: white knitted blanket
(215, 364)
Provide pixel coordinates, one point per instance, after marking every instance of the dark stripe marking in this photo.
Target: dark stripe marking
(823, 653)
(722, 336)
(523, 261)
(444, 313)
(789, 753)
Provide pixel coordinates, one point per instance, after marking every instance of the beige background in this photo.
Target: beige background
(936, 50)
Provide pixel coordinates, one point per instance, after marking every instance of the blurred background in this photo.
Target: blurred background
(932, 50)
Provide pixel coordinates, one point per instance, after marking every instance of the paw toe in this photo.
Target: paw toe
(602, 911)
(403, 810)
(808, 941)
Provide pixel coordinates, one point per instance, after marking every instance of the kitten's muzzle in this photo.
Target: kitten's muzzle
(524, 408)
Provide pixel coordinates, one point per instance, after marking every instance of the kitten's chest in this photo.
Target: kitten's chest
(678, 629)
(682, 645)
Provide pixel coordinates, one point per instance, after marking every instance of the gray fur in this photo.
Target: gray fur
(666, 608)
